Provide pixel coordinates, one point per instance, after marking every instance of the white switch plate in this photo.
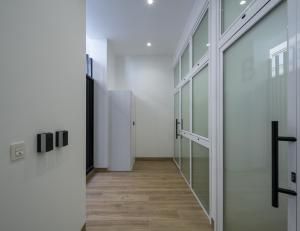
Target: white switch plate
(17, 151)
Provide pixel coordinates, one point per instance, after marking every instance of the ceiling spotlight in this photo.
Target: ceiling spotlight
(150, 2)
(243, 2)
(149, 44)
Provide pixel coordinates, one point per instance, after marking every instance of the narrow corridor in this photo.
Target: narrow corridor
(154, 197)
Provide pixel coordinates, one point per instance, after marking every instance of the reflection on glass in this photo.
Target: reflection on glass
(200, 177)
(200, 40)
(278, 56)
(185, 107)
(200, 103)
(185, 158)
(185, 62)
(176, 116)
(176, 75)
(255, 83)
(231, 9)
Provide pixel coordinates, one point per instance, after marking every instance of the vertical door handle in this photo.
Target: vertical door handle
(176, 125)
(275, 182)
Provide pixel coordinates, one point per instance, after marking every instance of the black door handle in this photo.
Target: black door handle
(275, 183)
(176, 125)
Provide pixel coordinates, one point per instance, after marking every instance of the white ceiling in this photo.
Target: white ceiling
(130, 24)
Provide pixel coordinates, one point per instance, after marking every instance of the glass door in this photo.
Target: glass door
(258, 181)
(177, 128)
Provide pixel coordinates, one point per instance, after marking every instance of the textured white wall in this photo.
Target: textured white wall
(150, 78)
(42, 88)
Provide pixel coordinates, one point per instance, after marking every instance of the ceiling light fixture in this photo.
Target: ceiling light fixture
(243, 2)
(150, 2)
(149, 44)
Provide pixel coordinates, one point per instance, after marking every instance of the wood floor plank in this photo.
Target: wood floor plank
(153, 197)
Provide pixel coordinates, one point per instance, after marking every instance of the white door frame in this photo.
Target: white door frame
(257, 11)
(294, 26)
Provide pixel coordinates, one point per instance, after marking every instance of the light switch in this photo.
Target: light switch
(17, 151)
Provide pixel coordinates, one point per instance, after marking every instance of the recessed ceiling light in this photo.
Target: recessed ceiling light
(150, 2)
(149, 44)
(243, 2)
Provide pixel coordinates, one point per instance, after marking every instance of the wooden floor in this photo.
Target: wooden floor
(154, 197)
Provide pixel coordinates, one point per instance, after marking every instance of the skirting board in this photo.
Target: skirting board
(101, 170)
(84, 227)
(154, 158)
(212, 224)
(93, 172)
(90, 175)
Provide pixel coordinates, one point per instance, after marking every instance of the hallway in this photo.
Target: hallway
(154, 197)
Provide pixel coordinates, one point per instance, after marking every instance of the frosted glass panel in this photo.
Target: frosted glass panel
(200, 40)
(185, 158)
(185, 107)
(185, 62)
(254, 95)
(176, 75)
(200, 177)
(176, 116)
(231, 9)
(200, 103)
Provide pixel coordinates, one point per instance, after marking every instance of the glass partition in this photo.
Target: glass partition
(177, 138)
(255, 94)
(176, 75)
(185, 157)
(185, 62)
(231, 9)
(185, 107)
(200, 103)
(200, 173)
(200, 39)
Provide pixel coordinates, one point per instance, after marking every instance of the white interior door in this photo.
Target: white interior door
(133, 128)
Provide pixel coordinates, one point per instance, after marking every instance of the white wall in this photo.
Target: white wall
(42, 88)
(98, 50)
(150, 78)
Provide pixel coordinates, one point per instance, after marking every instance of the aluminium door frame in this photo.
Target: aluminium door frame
(178, 91)
(258, 9)
(294, 26)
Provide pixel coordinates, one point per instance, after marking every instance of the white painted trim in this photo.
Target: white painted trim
(212, 68)
(196, 138)
(296, 5)
(293, 111)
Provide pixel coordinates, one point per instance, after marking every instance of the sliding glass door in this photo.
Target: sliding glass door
(256, 89)
(177, 128)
